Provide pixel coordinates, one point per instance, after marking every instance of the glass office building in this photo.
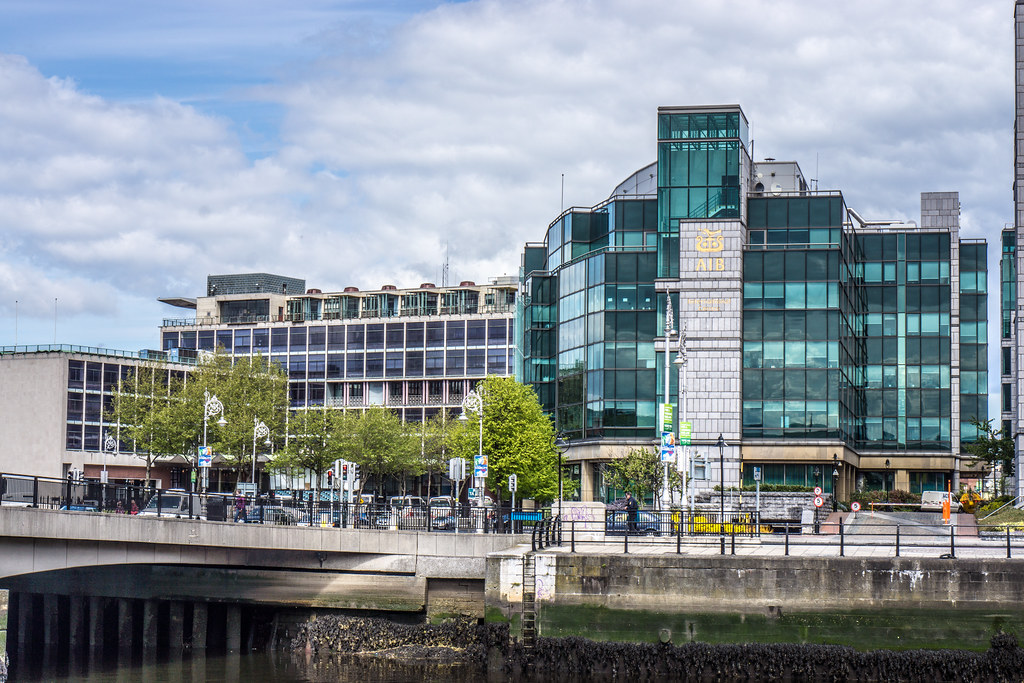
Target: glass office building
(825, 349)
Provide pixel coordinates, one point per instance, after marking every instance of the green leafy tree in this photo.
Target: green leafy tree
(436, 436)
(517, 439)
(640, 473)
(992, 447)
(378, 442)
(250, 389)
(312, 443)
(142, 411)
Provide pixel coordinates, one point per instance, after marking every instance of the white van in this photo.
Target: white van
(931, 501)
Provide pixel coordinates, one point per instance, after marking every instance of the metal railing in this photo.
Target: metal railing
(662, 531)
(300, 508)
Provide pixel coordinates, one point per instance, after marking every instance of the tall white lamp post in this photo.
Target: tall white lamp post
(670, 331)
(259, 430)
(211, 407)
(474, 402)
(109, 446)
(682, 463)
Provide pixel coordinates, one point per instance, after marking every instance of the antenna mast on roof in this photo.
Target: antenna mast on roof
(444, 269)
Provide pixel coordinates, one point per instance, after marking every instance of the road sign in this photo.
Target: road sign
(855, 506)
(818, 501)
(456, 469)
(817, 490)
(513, 483)
(757, 474)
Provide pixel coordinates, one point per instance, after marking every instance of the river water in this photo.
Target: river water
(249, 668)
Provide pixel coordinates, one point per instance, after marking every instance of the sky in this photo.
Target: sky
(146, 145)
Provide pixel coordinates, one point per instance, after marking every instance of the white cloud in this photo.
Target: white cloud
(456, 127)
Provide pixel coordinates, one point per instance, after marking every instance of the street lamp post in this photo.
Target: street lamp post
(474, 402)
(835, 480)
(560, 445)
(258, 430)
(109, 446)
(885, 481)
(721, 477)
(211, 406)
(670, 331)
(682, 463)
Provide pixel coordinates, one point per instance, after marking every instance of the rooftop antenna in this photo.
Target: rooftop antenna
(54, 321)
(444, 268)
(815, 178)
(15, 322)
(563, 195)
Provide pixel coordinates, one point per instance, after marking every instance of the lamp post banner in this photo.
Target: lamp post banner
(685, 432)
(480, 465)
(205, 456)
(666, 417)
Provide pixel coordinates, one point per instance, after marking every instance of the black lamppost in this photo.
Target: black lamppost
(835, 480)
(561, 443)
(721, 478)
(885, 482)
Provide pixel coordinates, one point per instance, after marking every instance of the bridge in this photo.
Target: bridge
(212, 582)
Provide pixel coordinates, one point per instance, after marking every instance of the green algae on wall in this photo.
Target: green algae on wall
(863, 630)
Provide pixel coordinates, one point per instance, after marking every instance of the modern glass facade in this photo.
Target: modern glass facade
(816, 340)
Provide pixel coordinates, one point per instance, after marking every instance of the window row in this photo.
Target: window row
(920, 431)
(790, 384)
(918, 272)
(791, 325)
(909, 298)
(800, 295)
(791, 415)
(921, 246)
(792, 266)
(917, 376)
(399, 364)
(912, 402)
(791, 354)
(431, 334)
(814, 238)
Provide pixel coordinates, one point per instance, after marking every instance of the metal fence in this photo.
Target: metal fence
(272, 508)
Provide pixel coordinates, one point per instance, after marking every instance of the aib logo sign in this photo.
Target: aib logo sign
(710, 241)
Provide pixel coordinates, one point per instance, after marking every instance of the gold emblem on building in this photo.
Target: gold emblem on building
(710, 240)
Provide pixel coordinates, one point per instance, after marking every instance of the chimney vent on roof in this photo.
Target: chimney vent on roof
(351, 289)
(427, 285)
(313, 291)
(388, 288)
(467, 283)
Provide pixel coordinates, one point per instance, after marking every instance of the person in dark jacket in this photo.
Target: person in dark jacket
(631, 508)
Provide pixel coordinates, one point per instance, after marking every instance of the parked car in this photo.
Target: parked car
(275, 514)
(173, 503)
(931, 501)
(647, 523)
(442, 502)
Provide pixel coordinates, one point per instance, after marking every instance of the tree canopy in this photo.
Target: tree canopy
(517, 438)
(640, 473)
(992, 447)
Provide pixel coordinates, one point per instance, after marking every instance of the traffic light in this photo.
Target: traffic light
(344, 472)
(330, 478)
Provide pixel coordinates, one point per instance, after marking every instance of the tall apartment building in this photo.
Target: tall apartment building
(417, 351)
(817, 343)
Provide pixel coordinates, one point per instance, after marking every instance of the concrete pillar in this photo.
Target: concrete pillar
(50, 616)
(200, 621)
(95, 623)
(24, 623)
(125, 627)
(150, 610)
(76, 623)
(233, 633)
(175, 627)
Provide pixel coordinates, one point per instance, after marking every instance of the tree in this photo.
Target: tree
(311, 443)
(640, 473)
(249, 388)
(993, 447)
(142, 409)
(517, 439)
(435, 445)
(378, 442)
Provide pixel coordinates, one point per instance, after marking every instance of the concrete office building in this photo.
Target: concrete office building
(417, 351)
(54, 402)
(817, 343)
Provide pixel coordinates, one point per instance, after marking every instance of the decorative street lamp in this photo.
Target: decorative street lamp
(259, 430)
(561, 443)
(885, 481)
(109, 446)
(682, 464)
(835, 480)
(211, 407)
(670, 332)
(721, 476)
(474, 402)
